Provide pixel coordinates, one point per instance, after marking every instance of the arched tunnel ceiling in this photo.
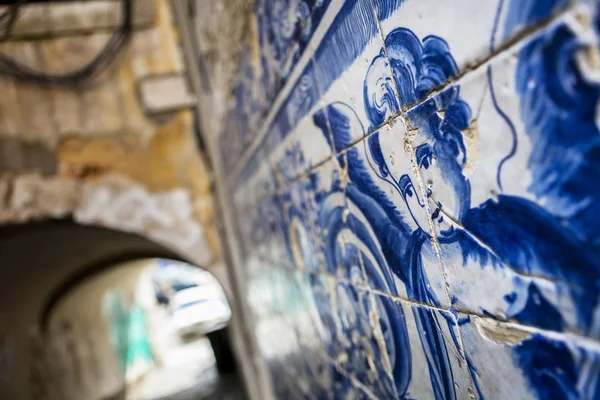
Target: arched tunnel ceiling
(41, 262)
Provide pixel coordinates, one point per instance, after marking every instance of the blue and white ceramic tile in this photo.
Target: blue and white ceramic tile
(433, 362)
(284, 29)
(492, 171)
(494, 108)
(420, 34)
(537, 364)
(302, 230)
(279, 27)
(294, 142)
(382, 200)
(358, 345)
(308, 204)
(342, 67)
(422, 158)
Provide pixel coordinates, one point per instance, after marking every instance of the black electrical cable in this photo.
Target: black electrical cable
(17, 71)
(10, 16)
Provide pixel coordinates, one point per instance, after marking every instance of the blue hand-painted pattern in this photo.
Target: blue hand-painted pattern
(429, 63)
(559, 109)
(284, 29)
(344, 312)
(519, 233)
(369, 237)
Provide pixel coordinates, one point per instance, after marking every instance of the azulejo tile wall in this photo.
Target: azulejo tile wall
(416, 185)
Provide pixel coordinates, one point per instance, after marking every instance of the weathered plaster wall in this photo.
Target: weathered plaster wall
(410, 194)
(94, 152)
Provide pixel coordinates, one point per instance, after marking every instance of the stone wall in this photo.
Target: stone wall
(106, 152)
(410, 191)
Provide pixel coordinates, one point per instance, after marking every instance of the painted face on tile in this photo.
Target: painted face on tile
(415, 201)
(439, 147)
(444, 184)
(440, 155)
(433, 180)
(439, 158)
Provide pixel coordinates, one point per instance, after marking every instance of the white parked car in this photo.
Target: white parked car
(199, 310)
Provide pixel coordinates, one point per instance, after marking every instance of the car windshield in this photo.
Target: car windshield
(191, 303)
(178, 286)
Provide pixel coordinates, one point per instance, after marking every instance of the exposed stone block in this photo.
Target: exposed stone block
(165, 93)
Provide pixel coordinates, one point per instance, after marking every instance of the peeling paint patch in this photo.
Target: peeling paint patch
(471, 138)
(113, 202)
(500, 333)
(166, 217)
(31, 197)
(169, 160)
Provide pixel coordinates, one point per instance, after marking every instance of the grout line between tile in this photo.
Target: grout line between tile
(587, 342)
(505, 263)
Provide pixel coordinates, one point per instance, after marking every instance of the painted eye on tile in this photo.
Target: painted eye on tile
(424, 155)
(406, 186)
